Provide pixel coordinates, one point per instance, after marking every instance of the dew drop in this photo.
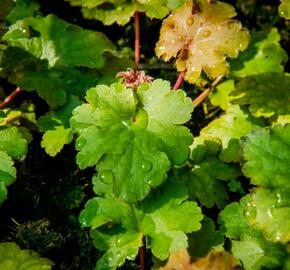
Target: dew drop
(206, 33)
(81, 142)
(250, 212)
(106, 177)
(190, 21)
(146, 165)
(22, 30)
(180, 38)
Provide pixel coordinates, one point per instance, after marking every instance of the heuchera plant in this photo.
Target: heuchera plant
(158, 190)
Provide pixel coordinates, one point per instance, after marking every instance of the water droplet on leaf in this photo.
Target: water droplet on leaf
(190, 21)
(146, 165)
(107, 177)
(81, 142)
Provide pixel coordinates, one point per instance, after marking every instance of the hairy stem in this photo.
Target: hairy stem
(142, 254)
(10, 97)
(137, 39)
(206, 92)
(178, 81)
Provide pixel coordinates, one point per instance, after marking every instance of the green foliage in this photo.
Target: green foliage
(208, 172)
(118, 228)
(155, 185)
(268, 167)
(12, 257)
(132, 138)
(267, 99)
(229, 128)
(7, 174)
(120, 11)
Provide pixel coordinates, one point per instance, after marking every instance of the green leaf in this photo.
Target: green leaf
(7, 174)
(229, 128)
(12, 142)
(52, 84)
(163, 218)
(23, 9)
(202, 241)
(111, 11)
(268, 208)
(12, 257)
(264, 54)
(265, 99)
(248, 244)
(205, 175)
(267, 156)
(284, 9)
(56, 126)
(66, 45)
(133, 143)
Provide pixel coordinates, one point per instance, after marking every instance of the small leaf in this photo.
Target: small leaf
(12, 141)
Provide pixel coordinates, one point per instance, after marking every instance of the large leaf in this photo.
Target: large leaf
(264, 99)
(111, 11)
(163, 218)
(12, 257)
(133, 143)
(7, 174)
(201, 34)
(229, 128)
(52, 39)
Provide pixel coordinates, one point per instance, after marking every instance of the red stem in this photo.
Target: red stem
(137, 39)
(206, 92)
(178, 81)
(10, 97)
(142, 254)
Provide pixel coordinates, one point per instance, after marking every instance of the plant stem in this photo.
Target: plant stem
(142, 254)
(206, 92)
(178, 81)
(137, 39)
(10, 97)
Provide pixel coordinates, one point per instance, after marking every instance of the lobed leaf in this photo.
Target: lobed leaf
(61, 44)
(201, 34)
(133, 143)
